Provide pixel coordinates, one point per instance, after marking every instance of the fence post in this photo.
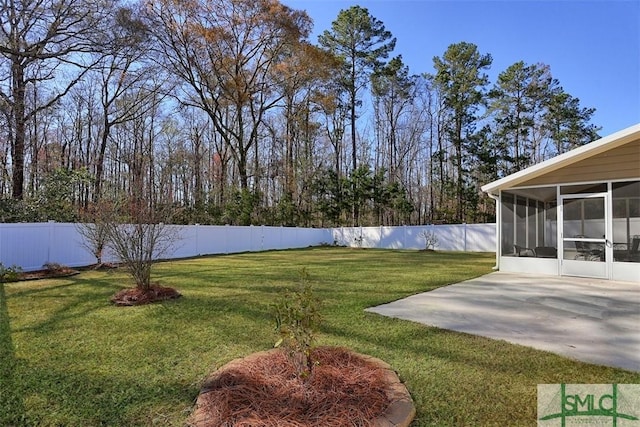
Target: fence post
(226, 238)
(464, 227)
(51, 224)
(197, 248)
(252, 236)
(404, 237)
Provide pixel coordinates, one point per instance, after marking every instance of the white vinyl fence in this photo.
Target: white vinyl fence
(30, 245)
(458, 237)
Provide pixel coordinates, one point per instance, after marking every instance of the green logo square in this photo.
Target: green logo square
(601, 405)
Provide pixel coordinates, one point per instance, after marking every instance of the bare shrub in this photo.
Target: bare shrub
(94, 229)
(55, 267)
(430, 240)
(139, 238)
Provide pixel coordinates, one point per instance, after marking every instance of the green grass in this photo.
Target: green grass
(69, 358)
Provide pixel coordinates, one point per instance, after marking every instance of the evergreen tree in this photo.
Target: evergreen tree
(461, 81)
(362, 42)
(568, 124)
(517, 101)
(530, 110)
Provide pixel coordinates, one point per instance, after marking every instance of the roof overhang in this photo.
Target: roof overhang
(584, 152)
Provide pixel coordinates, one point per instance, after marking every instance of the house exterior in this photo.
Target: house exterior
(577, 214)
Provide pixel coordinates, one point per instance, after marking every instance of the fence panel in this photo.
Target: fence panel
(481, 238)
(210, 239)
(20, 244)
(29, 246)
(185, 243)
(66, 247)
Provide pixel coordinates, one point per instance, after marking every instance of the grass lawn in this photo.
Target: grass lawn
(70, 358)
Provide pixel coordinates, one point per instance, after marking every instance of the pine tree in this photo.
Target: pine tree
(362, 42)
(461, 81)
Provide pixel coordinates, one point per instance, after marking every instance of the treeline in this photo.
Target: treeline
(225, 112)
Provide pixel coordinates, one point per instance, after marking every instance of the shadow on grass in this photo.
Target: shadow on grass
(215, 312)
(72, 301)
(442, 366)
(12, 411)
(80, 398)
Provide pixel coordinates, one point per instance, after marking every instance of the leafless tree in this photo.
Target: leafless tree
(228, 53)
(40, 41)
(129, 83)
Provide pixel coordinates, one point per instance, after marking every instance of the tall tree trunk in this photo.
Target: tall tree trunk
(354, 157)
(97, 186)
(197, 171)
(459, 179)
(18, 147)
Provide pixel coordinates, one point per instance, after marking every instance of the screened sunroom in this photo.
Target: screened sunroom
(575, 215)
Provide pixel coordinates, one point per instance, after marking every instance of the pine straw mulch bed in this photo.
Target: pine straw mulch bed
(47, 273)
(136, 296)
(264, 389)
(125, 297)
(59, 270)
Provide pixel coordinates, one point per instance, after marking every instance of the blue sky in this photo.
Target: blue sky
(592, 47)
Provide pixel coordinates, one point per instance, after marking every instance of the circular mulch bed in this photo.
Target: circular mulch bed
(264, 389)
(136, 296)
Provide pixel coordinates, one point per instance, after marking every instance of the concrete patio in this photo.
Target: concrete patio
(595, 321)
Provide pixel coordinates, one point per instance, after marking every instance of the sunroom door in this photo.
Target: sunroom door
(584, 237)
